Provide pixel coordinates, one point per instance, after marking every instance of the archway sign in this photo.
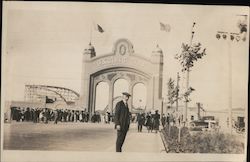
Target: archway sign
(121, 63)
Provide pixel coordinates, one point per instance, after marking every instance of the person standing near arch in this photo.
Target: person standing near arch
(122, 120)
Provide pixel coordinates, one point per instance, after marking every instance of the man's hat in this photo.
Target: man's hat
(126, 94)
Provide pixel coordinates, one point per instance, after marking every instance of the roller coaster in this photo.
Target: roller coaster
(41, 93)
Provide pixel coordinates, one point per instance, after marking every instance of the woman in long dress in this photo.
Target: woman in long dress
(148, 121)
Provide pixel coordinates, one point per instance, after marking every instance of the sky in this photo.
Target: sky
(43, 43)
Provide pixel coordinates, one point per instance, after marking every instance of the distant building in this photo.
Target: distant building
(221, 116)
(238, 114)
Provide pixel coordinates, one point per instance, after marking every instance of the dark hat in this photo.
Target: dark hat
(126, 94)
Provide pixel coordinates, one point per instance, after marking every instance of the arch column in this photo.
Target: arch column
(150, 92)
(94, 98)
(111, 96)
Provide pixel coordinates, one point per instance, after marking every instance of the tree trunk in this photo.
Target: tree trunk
(186, 102)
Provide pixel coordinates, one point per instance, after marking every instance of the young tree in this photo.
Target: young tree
(190, 54)
(187, 57)
(187, 94)
(171, 92)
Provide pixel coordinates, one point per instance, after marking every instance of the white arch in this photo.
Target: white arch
(102, 95)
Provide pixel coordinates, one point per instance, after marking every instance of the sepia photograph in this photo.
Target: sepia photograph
(95, 81)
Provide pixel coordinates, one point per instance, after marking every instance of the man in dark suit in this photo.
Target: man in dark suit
(122, 120)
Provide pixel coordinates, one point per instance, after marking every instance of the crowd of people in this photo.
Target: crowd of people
(45, 115)
(153, 121)
(149, 120)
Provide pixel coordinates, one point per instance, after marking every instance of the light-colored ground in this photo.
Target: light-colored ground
(77, 137)
(85, 142)
(142, 141)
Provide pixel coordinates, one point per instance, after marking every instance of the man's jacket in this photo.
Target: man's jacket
(122, 116)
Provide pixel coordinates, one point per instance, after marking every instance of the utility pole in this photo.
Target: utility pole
(177, 98)
(199, 110)
(234, 37)
(190, 54)
(187, 75)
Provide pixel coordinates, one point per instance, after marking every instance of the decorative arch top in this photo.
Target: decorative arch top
(123, 47)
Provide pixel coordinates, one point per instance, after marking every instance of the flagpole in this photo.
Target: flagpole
(90, 39)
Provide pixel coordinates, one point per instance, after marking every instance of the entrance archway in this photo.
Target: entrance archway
(115, 67)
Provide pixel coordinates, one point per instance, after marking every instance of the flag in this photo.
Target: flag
(99, 28)
(49, 100)
(165, 27)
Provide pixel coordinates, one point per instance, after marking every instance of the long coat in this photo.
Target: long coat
(141, 119)
(122, 116)
(156, 121)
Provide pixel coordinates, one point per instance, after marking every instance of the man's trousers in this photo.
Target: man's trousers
(121, 135)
